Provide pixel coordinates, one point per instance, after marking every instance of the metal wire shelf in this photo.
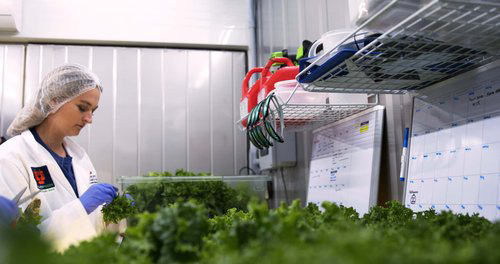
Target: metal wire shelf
(442, 39)
(300, 117)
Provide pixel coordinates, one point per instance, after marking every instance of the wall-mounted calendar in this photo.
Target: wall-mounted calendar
(345, 161)
(454, 160)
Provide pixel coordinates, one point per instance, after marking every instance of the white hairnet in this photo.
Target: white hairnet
(59, 86)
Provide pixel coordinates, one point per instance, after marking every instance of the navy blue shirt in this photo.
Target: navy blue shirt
(65, 163)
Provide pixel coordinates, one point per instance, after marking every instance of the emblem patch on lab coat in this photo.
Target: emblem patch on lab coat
(42, 177)
(93, 178)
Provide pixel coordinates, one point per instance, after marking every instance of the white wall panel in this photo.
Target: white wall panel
(279, 29)
(175, 118)
(101, 130)
(32, 78)
(239, 137)
(284, 24)
(315, 20)
(292, 24)
(221, 97)
(198, 112)
(51, 57)
(11, 84)
(150, 127)
(39, 61)
(265, 30)
(79, 54)
(126, 113)
(337, 14)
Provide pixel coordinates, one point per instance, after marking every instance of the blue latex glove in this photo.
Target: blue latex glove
(8, 210)
(98, 194)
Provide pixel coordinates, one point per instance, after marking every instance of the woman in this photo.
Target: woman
(40, 156)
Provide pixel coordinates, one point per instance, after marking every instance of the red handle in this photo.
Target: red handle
(272, 61)
(244, 88)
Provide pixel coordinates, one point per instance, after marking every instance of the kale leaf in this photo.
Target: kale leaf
(121, 207)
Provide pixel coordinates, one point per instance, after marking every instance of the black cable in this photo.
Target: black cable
(248, 152)
(248, 170)
(266, 113)
(356, 42)
(284, 186)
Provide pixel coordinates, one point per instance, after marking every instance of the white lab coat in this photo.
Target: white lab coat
(64, 220)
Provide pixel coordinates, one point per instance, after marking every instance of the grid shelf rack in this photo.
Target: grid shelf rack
(300, 117)
(442, 39)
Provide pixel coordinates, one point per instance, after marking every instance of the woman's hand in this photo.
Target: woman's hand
(98, 194)
(8, 210)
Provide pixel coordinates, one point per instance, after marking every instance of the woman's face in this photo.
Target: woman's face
(75, 114)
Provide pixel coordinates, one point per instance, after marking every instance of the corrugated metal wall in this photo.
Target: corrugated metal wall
(161, 109)
(11, 83)
(283, 24)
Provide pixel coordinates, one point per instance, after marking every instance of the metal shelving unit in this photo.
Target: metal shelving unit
(442, 39)
(300, 117)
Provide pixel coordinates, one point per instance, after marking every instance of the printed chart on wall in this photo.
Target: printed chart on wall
(454, 161)
(345, 161)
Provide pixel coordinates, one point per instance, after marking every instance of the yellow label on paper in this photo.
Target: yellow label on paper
(363, 129)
